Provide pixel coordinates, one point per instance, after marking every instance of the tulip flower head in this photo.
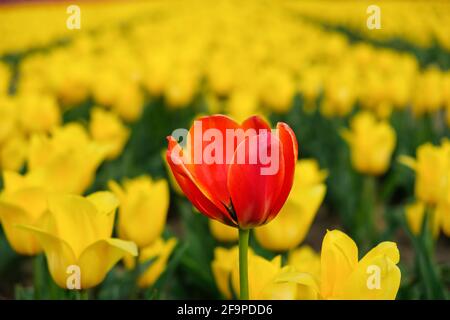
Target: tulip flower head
(21, 203)
(76, 232)
(240, 175)
(344, 277)
(432, 168)
(108, 130)
(371, 143)
(143, 209)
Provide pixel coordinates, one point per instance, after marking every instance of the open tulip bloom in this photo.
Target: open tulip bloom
(238, 174)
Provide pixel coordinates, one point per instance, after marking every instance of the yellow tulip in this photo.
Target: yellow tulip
(108, 130)
(277, 89)
(267, 279)
(344, 277)
(160, 251)
(38, 113)
(21, 203)
(428, 94)
(76, 231)
(222, 232)
(242, 104)
(65, 162)
(289, 228)
(432, 168)
(129, 102)
(181, 89)
(143, 209)
(371, 143)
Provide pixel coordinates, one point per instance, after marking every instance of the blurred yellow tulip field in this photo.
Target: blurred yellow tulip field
(94, 206)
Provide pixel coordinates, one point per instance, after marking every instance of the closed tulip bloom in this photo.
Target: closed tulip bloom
(157, 255)
(291, 225)
(267, 278)
(344, 277)
(432, 168)
(371, 143)
(67, 161)
(108, 130)
(223, 233)
(21, 203)
(129, 102)
(232, 189)
(143, 209)
(38, 113)
(76, 231)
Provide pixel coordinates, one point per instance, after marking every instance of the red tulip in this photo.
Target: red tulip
(242, 180)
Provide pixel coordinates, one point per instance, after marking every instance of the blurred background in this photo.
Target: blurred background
(360, 101)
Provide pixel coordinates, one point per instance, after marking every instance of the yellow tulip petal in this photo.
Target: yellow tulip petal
(71, 214)
(408, 161)
(339, 258)
(117, 190)
(377, 278)
(279, 291)
(58, 252)
(307, 286)
(305, 259)
(162, 251)
(21, 241)
(443, 212)
(98, 259)
(414, 216)
(386, 248)
(13, 181)
(32, 200)
(261, 273)
(225, 260)
(106, 204)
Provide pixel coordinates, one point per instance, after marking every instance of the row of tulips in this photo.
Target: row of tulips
(406, 20)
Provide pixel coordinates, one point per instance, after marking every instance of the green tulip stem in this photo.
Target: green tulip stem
(365, 223)
(243, 263)
(38, 275)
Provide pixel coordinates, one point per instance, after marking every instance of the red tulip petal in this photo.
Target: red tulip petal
(257, 123)
(253, 194)
(211, 158)
(290, 153)
(200, 198)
